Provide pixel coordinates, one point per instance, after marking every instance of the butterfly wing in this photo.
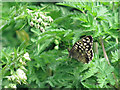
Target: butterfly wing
(82, 49)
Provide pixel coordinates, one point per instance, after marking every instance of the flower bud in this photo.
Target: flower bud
(42, 29)
(31, 24)
(26, 56)
(39, 20)
(56, 47)
(38, 26)
(56, 42)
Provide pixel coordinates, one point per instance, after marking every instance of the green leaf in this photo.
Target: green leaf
(87, 85)
(90, 73)
(115, 56)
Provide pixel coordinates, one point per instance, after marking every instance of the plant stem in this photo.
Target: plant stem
(105, 55)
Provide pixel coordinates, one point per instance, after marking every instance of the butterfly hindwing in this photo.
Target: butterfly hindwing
(82, 49)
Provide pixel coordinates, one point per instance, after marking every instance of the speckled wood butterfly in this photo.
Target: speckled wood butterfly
(82, 49)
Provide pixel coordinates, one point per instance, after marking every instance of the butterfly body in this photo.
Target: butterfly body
(82, 49)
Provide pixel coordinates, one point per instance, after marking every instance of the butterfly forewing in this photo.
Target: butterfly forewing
(82, 49)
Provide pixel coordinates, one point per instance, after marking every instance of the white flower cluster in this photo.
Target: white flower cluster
(39, 20)
(19, 75)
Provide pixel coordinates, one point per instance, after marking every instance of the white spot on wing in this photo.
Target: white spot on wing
(85, 43)
(84, 40)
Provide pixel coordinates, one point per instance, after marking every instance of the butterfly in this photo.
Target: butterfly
(82, 49)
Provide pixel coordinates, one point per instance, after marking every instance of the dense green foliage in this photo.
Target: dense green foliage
(35, 38)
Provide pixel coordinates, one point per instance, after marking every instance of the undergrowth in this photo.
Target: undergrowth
(35, 38)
